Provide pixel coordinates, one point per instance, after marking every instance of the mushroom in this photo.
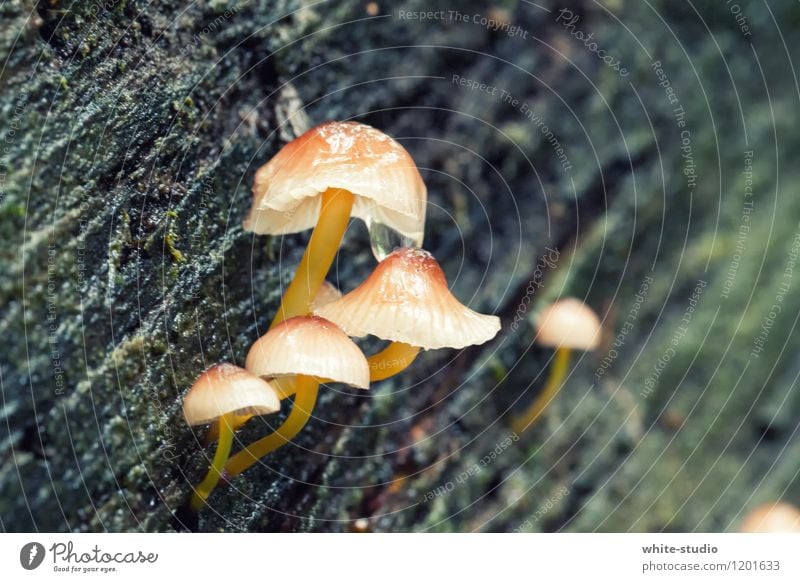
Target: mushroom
(566, 325)
(777, 517)
(311, 350)
(220, 394)
(330, 172)
(406, 300)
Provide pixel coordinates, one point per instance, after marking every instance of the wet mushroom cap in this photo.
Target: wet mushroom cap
(311, 346)
(406, 299)
(568, 323)
(772, 518)
(339, 154)
(228, 389)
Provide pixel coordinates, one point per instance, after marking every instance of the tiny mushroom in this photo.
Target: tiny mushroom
(330, 172)
(778, 517)
(566, 325)
(406, 300)
(220, 394)
(310, 350)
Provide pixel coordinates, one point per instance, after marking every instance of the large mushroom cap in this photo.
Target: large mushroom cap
(568, 323)
(311, 346)
(228, 389)
(339, 154)
(772, 518)
(406, 299)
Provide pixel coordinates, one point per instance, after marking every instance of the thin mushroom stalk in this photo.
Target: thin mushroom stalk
(392, 360)
(307, 350)
(551, 388)
(285, 385)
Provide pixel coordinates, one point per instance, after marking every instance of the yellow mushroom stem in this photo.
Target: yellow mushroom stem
(392, 360)
(557, 374)
(304, 401)
(334, 215)
(335, 210)
(204, 489)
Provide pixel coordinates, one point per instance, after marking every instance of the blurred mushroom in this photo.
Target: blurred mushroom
(311, 350)
(566, 325)
(221, 393)
(772, 518)
(330, 172)
(406, 300)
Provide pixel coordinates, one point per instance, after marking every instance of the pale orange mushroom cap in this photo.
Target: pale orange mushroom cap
(311, 346)
(406, 299)
(352, 156)
(228, 389)
(772, 518)
(568, 323)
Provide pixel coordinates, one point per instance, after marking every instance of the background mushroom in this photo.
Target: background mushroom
(566, 325)
(330, 172)
(221, 393)
(312, 350)
(406, 300)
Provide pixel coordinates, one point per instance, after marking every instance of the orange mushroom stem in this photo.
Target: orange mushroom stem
(222, 393)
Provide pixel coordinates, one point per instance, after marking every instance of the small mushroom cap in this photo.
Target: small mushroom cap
(406, 299)
(328, 293)
(311, 346)
(228, 389)
(772, 518)
(339, 154)
(568, 323)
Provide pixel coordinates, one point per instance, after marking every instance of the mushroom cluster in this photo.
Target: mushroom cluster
(331, 173)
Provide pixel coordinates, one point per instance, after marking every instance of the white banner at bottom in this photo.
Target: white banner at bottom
(400, 557)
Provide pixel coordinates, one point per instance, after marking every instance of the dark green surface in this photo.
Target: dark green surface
(131, 137)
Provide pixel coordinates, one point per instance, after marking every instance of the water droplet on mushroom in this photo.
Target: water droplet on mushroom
(384, 239)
